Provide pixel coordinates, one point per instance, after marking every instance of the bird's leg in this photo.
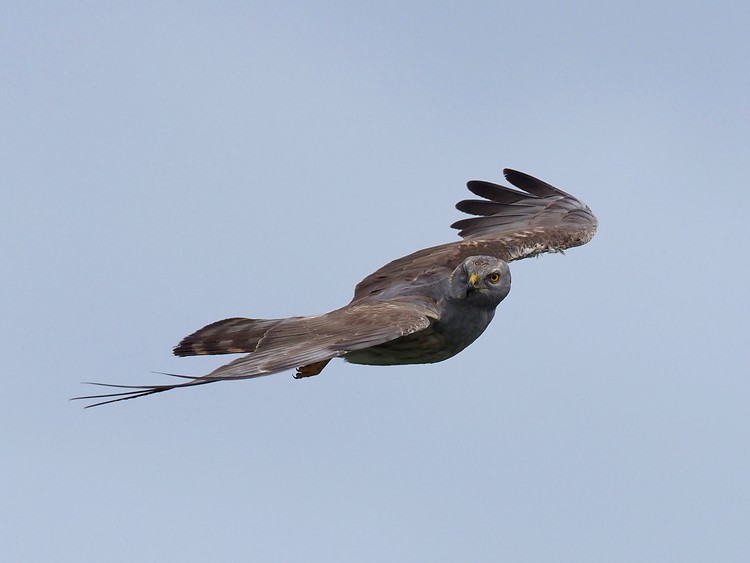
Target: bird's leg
(311, 369)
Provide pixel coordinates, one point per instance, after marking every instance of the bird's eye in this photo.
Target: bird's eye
(494, 277)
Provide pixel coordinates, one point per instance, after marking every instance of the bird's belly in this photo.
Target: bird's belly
(424, 347)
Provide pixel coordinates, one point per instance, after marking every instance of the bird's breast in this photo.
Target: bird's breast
(443, 339)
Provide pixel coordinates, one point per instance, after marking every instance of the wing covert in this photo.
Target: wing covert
(509, 224)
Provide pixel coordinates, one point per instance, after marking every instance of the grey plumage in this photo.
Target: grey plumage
(422, 308)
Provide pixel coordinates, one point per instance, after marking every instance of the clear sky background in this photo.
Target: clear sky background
(166, 165)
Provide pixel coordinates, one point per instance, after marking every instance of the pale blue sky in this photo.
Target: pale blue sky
(167, 165)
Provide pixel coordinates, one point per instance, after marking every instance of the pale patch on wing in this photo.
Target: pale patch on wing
(510, 224)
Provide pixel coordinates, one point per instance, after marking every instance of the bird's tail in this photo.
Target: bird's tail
(274, 345)
(229, 336)
(298, 345)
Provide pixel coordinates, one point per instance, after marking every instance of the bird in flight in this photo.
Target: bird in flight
(423, 308)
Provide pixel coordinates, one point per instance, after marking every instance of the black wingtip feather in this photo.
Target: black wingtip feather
(531, 184)
(137, 391)
(495, 192)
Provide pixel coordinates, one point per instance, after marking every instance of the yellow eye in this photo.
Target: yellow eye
(494, 277)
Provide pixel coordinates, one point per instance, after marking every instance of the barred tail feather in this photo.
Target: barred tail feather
(229, 336)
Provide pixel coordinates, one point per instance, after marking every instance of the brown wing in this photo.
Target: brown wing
(307, 340)
(510, 224)
(281, 344)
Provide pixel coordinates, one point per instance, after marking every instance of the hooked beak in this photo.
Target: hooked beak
(473, 280)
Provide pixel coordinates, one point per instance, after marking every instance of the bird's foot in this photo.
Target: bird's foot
(310, 369)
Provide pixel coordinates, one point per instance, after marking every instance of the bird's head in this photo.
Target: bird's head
(481, 280)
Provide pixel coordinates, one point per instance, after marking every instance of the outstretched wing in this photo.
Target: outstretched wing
(510, 224)
(300, 341)
(277, 345)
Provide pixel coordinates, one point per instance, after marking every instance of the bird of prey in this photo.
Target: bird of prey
(423, 308)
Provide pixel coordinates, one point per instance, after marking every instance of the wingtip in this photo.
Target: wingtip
(519, 179)
(510, 173)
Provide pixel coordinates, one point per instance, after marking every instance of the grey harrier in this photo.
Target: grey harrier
(423, 308)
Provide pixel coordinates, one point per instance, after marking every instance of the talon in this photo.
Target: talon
(310, 369)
